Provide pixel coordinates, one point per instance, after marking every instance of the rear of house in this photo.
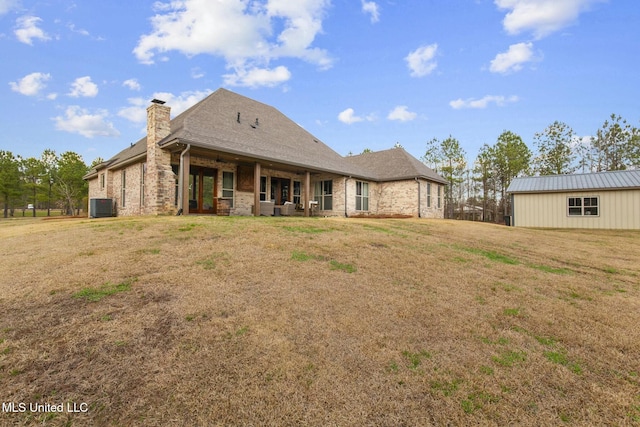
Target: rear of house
(605, 200)
(231, 155)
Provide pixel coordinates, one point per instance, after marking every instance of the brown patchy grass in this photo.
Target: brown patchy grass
(293, 321)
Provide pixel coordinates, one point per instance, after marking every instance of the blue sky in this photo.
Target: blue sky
(357, 74)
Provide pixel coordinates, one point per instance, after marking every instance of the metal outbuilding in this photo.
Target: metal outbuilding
(607, 200)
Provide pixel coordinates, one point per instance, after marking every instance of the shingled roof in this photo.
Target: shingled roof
(231, 123)
(394, 164)
(613, 180)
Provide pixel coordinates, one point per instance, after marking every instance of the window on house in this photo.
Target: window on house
(428, 194)
(583, 206)
(176, 191)
(143, 174)
(323, 194)
(263, 188)
(297, 192)
(102, 181)
(439, 196)
(227, 187)
(124, 188)
(362, 196)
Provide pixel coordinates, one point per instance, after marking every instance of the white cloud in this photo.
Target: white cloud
(8, 5)
(80, 121)
(197, 73)
(132, 84)
(542, 17)
(483, 102)
(137, 110)
(401, 113)
(27, 30)
(247, 34)
(258, 77)
(31, 84)
(371, 8)
(349, 117)
(80, 31)
(512, 59)
(83, 87)
(421, 61)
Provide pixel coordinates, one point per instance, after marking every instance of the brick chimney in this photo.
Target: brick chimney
(158, 123)
(159, 185)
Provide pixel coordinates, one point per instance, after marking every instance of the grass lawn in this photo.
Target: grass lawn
(199, 321)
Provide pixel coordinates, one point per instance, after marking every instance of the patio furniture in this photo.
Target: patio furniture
(266, 208)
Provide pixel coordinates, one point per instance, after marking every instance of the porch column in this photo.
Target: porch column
(307, 192)
(184, 181)
(256, 189)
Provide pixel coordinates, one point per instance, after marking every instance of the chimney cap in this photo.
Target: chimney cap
(157, 101)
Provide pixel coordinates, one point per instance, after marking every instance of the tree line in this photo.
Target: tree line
(50, 182)
(477, 190)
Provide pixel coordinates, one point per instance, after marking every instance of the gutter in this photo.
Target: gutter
(180, 179)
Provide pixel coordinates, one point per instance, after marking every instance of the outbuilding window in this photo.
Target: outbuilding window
(583, 206)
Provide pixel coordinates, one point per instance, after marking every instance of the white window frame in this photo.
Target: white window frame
(263, 188)
(228, 193)
(297, 193)
(143, 174)
(123, 185)
(362, 196)
(322, 196)
(428, 194)
(582, 206)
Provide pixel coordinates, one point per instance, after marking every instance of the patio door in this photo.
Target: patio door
(280, 188)
(202, 190)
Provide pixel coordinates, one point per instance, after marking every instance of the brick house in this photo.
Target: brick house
(229, 154)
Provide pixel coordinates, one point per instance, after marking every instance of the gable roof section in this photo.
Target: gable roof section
(614, 180)
(262, 132)
(394, 164)
(131, 153)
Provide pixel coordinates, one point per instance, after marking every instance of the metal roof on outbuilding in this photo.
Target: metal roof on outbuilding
(613, 180)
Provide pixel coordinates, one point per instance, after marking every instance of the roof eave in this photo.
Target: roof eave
(127, 162)
(168, 143)
(573, 190)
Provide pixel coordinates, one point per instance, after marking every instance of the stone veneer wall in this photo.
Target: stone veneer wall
(160, 179)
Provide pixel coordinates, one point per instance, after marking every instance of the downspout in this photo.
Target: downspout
(419, 201)
(180, 178)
